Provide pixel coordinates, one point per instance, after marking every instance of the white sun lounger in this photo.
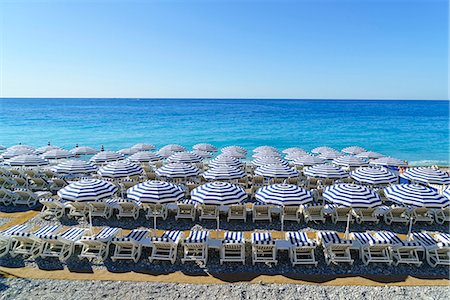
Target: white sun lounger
(340, 214)
(397, 214)
(366, 215)
(262, 212)
(102, 209)
(292, 213)
(130, 246)
(6, 237)
(371, 250)
(196, 247)
(237, 212)
(336, 250)
(422, 214)
(127, 208)
(97, 246)
(232, 248)
(7, 197)
(301, 251)
(404, 252)
(442, 215)
(78, 209)
(437, 252)
(52, 207)
(263, 248)
(29, 243)
(28, 197)
(185, 210)
(208, 212)
(166, 246)
(61, 245)
(314, 213)
(155, 211)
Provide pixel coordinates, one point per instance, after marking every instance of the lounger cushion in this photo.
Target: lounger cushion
(331, 237)
(169, 236)
(393, 239)
(104, 234)
(71, 234)
(197, 236)
(134, 235)
(367, 238)
(40, 232)
(262, 238)
(300, 239)
(233, 237)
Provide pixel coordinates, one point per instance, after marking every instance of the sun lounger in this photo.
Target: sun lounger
(301, 251)
(366, 215)
(97, 246)
(185, 210)
(166, 246)
(29, 198)
(130, 246)
(340, 214)
(336, 250)
(291, 213)
(402, 251)
(78, 209)
(6, 182)
(126, 208)
(29, 243)
(237, 212)
(233, 247)
(422, 214)
(314, 213)
(38, 184)
(102, 209)
(56, 184)
(442, 215)
(6, 237)
(262, 212)
(397, 214)
(52, 207)
(196, 247)
(263, 248)
(436, 252)
(208, 212)
(371, 250)
(61, 245)
(20, 182)
(155, 211)
(7, 197)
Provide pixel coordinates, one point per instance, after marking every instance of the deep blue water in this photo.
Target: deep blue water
(414, 130)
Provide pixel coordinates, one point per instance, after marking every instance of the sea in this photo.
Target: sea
(417, 131)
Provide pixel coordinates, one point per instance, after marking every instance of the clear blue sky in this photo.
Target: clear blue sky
(359, 49)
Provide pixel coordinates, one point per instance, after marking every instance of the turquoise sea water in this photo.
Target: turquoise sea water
(414, 130)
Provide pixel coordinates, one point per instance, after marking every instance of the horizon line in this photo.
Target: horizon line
(226, 98)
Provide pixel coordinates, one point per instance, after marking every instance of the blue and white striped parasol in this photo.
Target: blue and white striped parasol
(416, 195)
(325, 171)
(427, 175)
(369, 155)
(323, 149)
(224, 172)
(222, 160)
(267, 160)
(308, 160)
(283, 195)
(177, 170)
(205, 147)
(353, 150)
(106, 156)
(185, 157)
(233, 153)
(352, 195)
(20, 147)
(87, 190)
(276, 171)
(57, 154)
(84, 150)
(202, 154)
(145, 156)
(143, 147)
(174, 148)
(2, 147)
(218, 193)
(294, 150)
(165, 153)
(349, 161)
(27, 160)
(388, 161)
(128, 151)
(74, 167)
(9, 153)
(373, 176)
(46, 148)
(266, 154)
(330, 155)
(234, 148)
(265, 149)
(446, 193)
(155, 192)
(120, 169)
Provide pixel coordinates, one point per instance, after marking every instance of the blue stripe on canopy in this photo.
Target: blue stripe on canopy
(416, 195)
(205, 147)
(74, 167)
(427, 175)
(352, 195)
(222, 160)
(185, 157)
(87, 190)
(267, 160)
(145, 156)
(276, 171)
(224, 172)
(283, 195)
(105, 156)
(308, 160)
(156, 192)
(177, 170)
(120, 169)
(374, 176)
(218, 193)
(325, 171)
(349, 161)
(27, 160)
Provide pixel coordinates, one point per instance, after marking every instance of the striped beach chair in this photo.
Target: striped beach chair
(61, 245)
(404, 252)
(371, 249)
(6, 237)
(29, 243)
(437, 250)
(301, 251)
(165, 247)
(263, 248)
(186, 210)
(336, 250)
(130, 246)
(232, 248)
(196, 246)
(97, 246)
